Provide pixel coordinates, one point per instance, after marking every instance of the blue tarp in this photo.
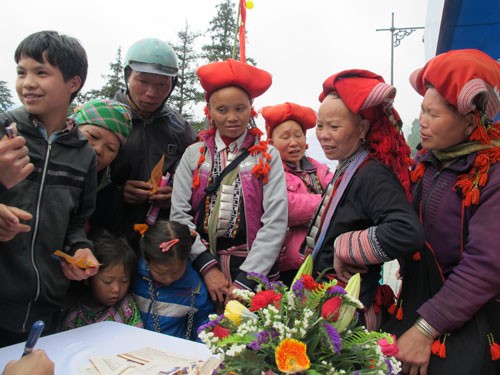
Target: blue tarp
(470, 24)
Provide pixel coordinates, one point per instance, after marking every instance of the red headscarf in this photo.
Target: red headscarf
(278, 114)
(366, 93)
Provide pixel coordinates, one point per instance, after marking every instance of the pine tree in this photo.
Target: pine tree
(5, 97)
(414, 138)
(221, 33)
(187, 93)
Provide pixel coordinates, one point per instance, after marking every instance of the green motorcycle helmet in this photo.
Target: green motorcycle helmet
(151, 55)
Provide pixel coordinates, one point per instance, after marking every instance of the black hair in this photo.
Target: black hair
(111, 250)
(164, 231)
(62, 51)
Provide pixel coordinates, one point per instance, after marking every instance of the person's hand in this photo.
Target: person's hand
(15, 163)
(136, 192)
(414, 352)
(217, 284)
(10, 224)
(162, 197)
(35, 363)
(73, 272)
(231, 296)
(344, 271)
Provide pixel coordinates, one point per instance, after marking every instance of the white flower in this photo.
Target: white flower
(235, 349)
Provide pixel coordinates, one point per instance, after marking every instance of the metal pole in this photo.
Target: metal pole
(397, 35)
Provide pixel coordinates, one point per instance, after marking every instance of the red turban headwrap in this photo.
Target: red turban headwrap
(278, 114)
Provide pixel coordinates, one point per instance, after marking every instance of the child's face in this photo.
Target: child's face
(290, 140)
(42, 90)
(166, 274)
(110, 285)
(104, 142)
(230, 109)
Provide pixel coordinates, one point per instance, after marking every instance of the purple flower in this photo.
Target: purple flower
(260, 278)
(389, 365)
(262, 338)
(336, 289)
(298, 288)
(334, 337)
(211, 324)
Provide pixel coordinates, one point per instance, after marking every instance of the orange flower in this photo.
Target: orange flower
(264, 298)
(291, 356)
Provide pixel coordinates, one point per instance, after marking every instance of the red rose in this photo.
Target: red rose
(309, 282)
(388, 348)
(330, 309)
(221, 332)
(264, 298)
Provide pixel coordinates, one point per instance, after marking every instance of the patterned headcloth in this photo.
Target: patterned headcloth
(108, 114)
(217, 75)
(366, 94)
(468, 79)
(278, 114)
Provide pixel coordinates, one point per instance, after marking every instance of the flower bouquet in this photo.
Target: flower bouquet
(307, 329)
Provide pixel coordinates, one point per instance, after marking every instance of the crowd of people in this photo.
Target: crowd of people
(168, 249)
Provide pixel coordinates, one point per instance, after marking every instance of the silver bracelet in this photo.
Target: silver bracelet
(425, 328)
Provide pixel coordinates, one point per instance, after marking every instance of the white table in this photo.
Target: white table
(71, 350)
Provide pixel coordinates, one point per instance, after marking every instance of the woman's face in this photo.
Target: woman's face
(441, 126)
(104, 142)
(290, 140)
(339, 131)
(230, 109)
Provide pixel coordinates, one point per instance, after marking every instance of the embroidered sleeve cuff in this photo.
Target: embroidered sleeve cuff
(204, 262)
(360, 247)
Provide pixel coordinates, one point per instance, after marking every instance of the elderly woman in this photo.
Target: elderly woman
(365, 217)
(306, 178)
(451, 288)
(230, 186)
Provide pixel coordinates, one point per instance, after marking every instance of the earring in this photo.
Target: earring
(307, 146)
(363, 141)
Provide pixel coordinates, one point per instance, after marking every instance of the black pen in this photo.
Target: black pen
(36, 331)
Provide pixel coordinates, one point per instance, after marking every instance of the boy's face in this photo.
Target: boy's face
(41, 88)
(104, 142)
(110, 285)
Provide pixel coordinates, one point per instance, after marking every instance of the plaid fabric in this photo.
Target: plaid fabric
(107, 114)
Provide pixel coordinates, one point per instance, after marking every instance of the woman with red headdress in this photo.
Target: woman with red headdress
(451, 288)
(365, 217)
(306, 178)
(231, 185)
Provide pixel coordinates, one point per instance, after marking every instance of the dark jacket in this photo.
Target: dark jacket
(60, 194)
(165, 133)
(374, 198)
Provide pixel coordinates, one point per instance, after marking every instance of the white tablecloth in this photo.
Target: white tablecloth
(71, 350)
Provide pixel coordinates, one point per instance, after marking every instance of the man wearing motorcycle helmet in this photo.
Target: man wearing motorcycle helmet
(151, 73)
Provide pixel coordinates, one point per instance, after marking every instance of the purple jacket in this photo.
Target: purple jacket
(301, 207)
(472, 278)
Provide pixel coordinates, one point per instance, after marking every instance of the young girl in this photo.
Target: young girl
(105, 295)
(171, 295)
(306, 178)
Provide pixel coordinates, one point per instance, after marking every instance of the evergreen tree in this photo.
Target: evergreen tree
(414, 138)
(5, 97)
(221, 33)
(187, 93)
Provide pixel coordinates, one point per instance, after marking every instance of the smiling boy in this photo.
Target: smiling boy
(59, 193)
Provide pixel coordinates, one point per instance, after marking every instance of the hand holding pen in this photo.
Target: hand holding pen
(36, 331)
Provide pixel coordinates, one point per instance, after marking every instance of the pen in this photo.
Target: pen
(36, 331)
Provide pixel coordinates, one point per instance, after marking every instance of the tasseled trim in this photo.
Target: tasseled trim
(416, 256)
(494, 347)
(439, 348)
(196, 174)
(383, 298)
(262, 169)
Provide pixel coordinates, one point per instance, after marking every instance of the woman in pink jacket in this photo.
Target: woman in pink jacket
(306, 178)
